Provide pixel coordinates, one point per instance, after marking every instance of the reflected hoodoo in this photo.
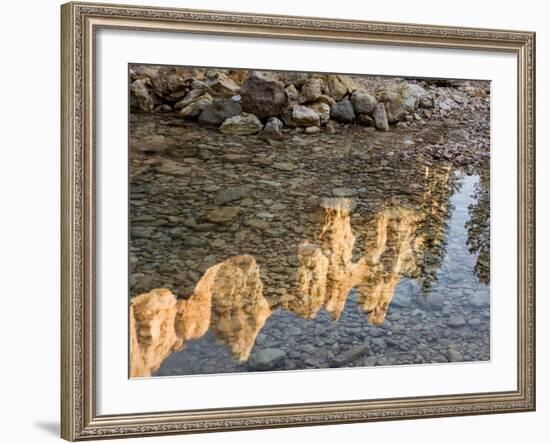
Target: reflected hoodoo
(152, 333)
(326, 272)
(227, 300)
(239, 310)
(394, 251)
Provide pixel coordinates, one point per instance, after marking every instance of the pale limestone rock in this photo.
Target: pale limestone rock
(363, 102)
(222, 86)
(243, 124)
(336, 88)
(193, 109)
(292, 94)
(401, 99)
(381, 118)
(303, 116)
(323, 111)
(312, 89)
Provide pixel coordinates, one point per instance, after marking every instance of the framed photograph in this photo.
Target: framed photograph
(277, 221)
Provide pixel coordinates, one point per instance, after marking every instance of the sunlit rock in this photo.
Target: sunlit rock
(326, 272)
(397, 240)
(152, 333)
(227, 300)
(311, 281)
(392, 253)
(239, 310)
(337, 240)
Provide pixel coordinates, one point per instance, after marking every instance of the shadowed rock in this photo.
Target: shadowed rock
(342, 112)
(263, 95)
(219, 110)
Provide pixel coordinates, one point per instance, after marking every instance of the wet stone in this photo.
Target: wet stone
(223, 215)
(350, 355)
(454, 356)
(343, 192)
(231, 194)
(266, 359)
(456, 320)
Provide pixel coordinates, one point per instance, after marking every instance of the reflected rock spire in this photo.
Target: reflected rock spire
(393, 252)
(227, 300)
(152, 333)
(239, 310)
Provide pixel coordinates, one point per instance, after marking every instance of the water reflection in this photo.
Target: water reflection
(227, 300)
(343, 248)
(478, 226)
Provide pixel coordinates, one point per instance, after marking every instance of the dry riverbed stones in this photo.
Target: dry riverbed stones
(230, 99)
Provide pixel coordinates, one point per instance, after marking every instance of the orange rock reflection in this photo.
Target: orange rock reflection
(228, 300)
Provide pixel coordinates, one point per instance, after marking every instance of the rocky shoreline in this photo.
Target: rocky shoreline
(271, 103)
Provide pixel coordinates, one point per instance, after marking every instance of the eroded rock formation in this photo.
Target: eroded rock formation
(227, 300)
(239, 310)
(393, 252)
(152, 333)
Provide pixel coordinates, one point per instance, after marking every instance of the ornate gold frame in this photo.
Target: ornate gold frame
(79, 420)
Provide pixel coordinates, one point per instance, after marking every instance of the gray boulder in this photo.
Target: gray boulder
(167, 82)
(293, 78)
(198, 84)
(190, 97)
(363, 102)
(266, 359)
(401, 99)
(219, 110)
(262, 95)
(342, 112)
(381, 118)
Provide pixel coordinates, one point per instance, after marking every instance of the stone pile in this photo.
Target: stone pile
(273, 103)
